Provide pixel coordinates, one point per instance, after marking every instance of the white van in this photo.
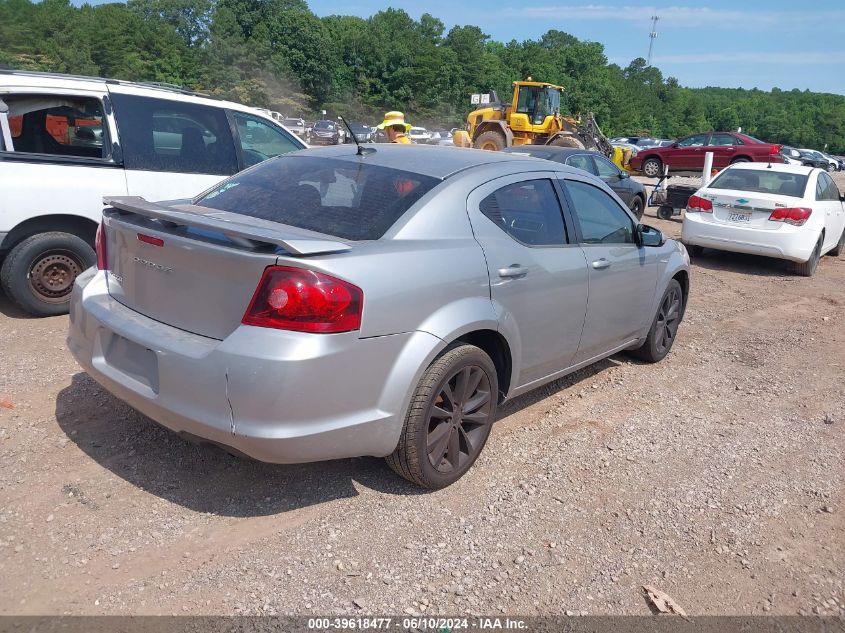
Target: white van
(67, 141)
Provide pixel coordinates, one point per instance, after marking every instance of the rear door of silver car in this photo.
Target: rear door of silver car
(536, 274)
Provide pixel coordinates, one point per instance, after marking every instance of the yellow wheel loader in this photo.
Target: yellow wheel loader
(532, 118)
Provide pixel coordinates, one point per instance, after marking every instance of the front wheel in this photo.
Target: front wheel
(637, 207)
(567, 141)
(831, 168)
(449, 419)
(490, 140)
(39, 272)
(661, 336)
(652, 167)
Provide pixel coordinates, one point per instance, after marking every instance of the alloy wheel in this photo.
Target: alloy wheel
(668, 319)
(457, 418)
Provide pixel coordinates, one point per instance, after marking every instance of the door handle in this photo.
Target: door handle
(601, 264)
(513, 272)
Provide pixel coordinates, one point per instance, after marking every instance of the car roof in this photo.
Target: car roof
(428, 160)
(547, 150)
(782, 167)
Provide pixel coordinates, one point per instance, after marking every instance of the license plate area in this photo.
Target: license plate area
(131, 359)
(739, 217)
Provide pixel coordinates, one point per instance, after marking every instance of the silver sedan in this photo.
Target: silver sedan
(381, 301)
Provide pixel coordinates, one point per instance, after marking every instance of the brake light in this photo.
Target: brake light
(303, 300)
(100, 246)
(793, 215)
(699, 204)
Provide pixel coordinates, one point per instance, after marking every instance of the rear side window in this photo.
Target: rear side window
(582, 161)
(57, 125)
(173, 136)
(349, 200)
(601, 219)
(724, 140)
(758, 181)
(528, 211)
(261, 140)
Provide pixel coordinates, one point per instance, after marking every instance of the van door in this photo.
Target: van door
(172, 148)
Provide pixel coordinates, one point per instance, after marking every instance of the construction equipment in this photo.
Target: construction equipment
(532, 118)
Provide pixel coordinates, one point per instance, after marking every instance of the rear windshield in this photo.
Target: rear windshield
(758, 181)
(352, 201)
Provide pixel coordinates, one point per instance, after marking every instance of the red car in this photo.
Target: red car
(687, 154)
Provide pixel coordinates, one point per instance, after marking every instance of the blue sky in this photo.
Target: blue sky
(728, 43)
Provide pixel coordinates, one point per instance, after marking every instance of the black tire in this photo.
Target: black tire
(637, 206)
(665, 212)
(567, 141)
(695, 250)
(840, 246)
(808, 268)
(39, 272)
(664, 327)
(740, 159)
(831, 168)
(490, 140)
(652, 167)
(427, 430)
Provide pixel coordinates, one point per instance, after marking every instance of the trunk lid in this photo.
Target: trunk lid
(748, 209)
(191, 267)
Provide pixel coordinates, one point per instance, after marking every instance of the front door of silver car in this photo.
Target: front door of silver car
(538, 277)
(622, 275)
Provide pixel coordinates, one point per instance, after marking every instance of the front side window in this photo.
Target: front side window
(528, 211)
(582, 161)
(57, 125)
(260, 141)
(349, 200)
(174, 136)
(601, 219)
(696, 140)
(538, 102)
(605, 168)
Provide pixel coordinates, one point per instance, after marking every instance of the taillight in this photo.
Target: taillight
(303, 300)
(794, 215)
(100, 247)
(699, 204)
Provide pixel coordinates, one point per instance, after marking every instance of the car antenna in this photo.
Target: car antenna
(362, 151)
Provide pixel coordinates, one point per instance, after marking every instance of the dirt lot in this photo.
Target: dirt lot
(716, 476)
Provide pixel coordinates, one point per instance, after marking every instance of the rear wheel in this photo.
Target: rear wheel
(840, 246)
(661, 336)
(39, 272)
(449, 419)
(652, 167)
(808, 268)
(567, 141)
(490, 140)
(831, 168)
(740, 159)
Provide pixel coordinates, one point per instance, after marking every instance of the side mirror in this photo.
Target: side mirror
(649, 236)
(624, 174)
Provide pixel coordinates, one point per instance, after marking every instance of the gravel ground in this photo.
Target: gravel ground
(716, 476)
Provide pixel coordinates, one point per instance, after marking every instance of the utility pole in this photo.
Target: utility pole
(652, 36)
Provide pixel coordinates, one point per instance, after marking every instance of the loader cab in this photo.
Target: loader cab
(533, 103)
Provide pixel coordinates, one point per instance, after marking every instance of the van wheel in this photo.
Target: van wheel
(449, 419)
(39, 272)
(661, 336)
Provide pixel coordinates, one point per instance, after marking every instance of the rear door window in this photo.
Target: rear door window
(57, 125)
(260, 140)
(174, 136)
(696, 140)
(528, 211)
(349, 200)
(723, 140)
(582, 161)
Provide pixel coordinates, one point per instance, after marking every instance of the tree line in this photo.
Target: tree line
(278, 54)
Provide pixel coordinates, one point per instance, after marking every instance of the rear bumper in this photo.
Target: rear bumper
(792, 243)
(276, 396)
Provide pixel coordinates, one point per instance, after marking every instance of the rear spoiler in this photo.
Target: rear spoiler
(233, 225)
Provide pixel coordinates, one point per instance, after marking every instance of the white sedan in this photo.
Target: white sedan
(790, 212)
